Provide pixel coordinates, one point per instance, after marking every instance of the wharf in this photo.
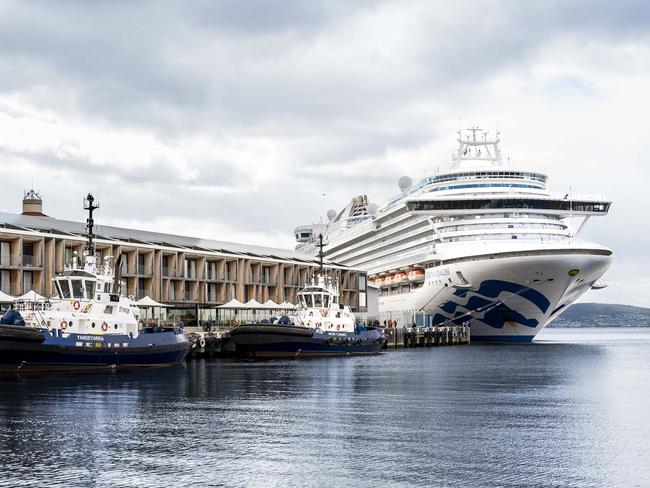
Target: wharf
(450, 335)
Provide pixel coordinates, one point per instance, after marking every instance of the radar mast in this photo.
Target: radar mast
(477, 147)
(90, 205)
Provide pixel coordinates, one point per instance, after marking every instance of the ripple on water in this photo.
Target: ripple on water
(562, 412)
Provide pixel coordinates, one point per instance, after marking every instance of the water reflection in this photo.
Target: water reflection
(558, 413)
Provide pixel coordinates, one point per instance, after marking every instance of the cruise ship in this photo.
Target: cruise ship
(482, 244)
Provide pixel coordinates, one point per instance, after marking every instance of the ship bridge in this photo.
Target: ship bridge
(529, 204)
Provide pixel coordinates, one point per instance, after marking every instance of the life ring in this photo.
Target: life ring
(338, 326)
(64, 325)
(76, 305)
(202, 342)
(104, 326)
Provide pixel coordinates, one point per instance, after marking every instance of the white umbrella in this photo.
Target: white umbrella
(234, 303)
(149, 302)
(31, 296)
(252, 303)
(287, 305)
(4, 298)
(271, 305)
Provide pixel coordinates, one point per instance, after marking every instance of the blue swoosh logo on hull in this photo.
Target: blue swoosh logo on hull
(500, 314)
(493, 288)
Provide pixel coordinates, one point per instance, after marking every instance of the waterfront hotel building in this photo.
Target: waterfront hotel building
(192, 275)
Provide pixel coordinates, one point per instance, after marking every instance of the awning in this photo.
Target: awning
(4, 298)
(253, 304)
(147, 302)
(31, 296)
(233, 304)
(271, 305)
(287, 305)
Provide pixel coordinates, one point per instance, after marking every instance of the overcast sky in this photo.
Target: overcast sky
(230, 119)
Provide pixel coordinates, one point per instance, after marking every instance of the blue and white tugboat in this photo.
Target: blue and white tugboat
(87, 325)
(320, 326)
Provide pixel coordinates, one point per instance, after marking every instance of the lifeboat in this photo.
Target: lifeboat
(379, 281)
(371, 281)
(389, 280)
(416, 274)
(401, 277)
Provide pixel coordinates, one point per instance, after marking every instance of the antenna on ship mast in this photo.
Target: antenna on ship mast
(90, 206)
(321, 254)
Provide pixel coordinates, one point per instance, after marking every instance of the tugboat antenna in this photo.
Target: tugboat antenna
(90, 206)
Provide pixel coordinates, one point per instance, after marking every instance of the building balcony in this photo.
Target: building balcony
(145, 270)
(31, 261)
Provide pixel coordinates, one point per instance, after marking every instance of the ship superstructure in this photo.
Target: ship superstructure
(481, 243)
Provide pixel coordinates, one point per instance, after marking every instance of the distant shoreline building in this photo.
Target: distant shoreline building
(192, 275)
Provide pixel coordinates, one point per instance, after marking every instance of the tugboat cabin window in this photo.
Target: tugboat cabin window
(77, 289)
(318, 300)
(90, 289)
(108, 309)
(308, 301)
(65, 288)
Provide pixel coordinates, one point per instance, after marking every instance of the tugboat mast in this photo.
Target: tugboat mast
(321, 254)
(90, 206)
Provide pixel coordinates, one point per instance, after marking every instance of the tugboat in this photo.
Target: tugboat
(88, 324)
(320, 326)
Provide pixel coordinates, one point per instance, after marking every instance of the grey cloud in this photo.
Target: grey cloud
(279, 70)
(216, 67)
(211, 173)
(242, 65)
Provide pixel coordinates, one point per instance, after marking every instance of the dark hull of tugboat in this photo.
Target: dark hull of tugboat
(286, 341)
(25, 350)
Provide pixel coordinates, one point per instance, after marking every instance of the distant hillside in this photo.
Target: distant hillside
(603, 315)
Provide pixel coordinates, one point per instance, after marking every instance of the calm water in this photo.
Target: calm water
(570, 410)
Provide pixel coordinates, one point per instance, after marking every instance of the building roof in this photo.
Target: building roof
(107, 232)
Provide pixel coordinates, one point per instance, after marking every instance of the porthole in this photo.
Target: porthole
(115, 326)
(93, 325)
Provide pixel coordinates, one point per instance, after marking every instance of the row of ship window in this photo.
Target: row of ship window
(386, 258)
(508, 203)
(375, 253)
(487, 174)
(415, 222)
(456, 228)
(386, 242)
(397, 224)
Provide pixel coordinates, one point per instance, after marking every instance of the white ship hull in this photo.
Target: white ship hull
(507, 298)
